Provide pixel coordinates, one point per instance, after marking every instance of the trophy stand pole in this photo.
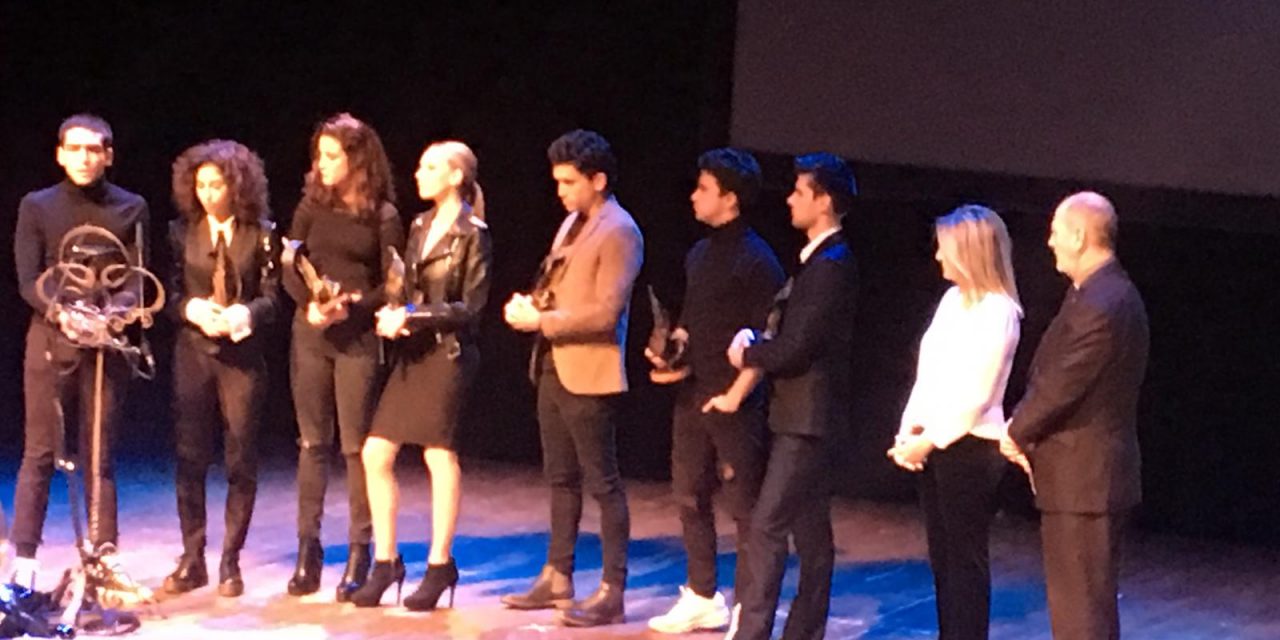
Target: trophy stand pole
(95, 459)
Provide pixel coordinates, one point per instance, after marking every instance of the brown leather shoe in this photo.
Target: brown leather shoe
(605, 606)
(552, 589)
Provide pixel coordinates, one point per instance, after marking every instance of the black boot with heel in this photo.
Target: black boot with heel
(357, 572)
(439, 577)
(385, 573)
(306, 576)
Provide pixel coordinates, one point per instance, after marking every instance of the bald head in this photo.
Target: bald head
(1094, 214)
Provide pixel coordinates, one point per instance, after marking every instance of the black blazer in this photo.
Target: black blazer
(448, 287)
(254, 254)
(1077, 422)
(807, 356)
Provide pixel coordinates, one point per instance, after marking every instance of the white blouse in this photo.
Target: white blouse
(965, 358)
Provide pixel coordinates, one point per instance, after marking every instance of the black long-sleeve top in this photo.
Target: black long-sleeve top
(45, 216)
(349, 249)
(731, 278)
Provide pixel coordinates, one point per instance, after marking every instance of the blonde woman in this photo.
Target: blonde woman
(954, 419)
(434, 332)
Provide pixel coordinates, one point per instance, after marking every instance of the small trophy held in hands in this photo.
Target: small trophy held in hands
(396, 285)
(661, 343)
(326, 293)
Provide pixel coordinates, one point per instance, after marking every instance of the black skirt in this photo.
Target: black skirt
(422, 400)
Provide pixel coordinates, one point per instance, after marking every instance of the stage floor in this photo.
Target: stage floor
(1173, 588)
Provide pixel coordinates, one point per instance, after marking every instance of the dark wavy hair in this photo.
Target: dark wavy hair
(369, 170)
(588, 152)
(240, 167)
(735, 170)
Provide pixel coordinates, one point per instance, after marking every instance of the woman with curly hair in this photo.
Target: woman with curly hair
(224, 288)
(433, 329)
(344, 226)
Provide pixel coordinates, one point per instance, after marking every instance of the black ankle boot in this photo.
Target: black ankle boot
(384, 574)
(190, 575)
(551, 589)
(605, 606)
(439, 577)
(306, 576)
(230, 583)
(357, 571)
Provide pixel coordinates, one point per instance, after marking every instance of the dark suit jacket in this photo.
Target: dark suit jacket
(1077, 422)
(254, 255)
(807, 357)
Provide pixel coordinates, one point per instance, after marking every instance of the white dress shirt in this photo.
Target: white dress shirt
(813, 244)
(965, 358)
(226, 228)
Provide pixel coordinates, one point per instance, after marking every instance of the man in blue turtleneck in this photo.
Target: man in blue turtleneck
(718, 427)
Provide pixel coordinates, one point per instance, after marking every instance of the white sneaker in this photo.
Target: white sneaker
(25, 571)
(733, 621)
(691, 613)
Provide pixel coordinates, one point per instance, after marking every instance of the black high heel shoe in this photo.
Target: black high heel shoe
(439, 577)
(384, 573)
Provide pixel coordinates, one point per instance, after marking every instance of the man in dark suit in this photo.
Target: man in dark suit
(58, 375)
(1077, 424)
(805, 352)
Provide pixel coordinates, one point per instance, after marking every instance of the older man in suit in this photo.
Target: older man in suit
(805, 352)
(1077, 424)
(579, 311)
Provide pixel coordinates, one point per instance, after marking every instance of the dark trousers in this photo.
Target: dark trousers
(958, 497)
(58, 382)
(1082, 573)
(210, 392)
(580, 453)
(795, 502)
(332, 383)
(710, 450)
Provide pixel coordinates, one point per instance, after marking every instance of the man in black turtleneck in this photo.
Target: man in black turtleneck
(718, 427)
(56, 373)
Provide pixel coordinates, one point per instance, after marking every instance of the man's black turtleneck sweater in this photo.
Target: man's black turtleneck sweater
(45, 216)
(731, 278)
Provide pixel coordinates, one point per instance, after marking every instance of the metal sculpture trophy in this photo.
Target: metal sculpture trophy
(96, 292)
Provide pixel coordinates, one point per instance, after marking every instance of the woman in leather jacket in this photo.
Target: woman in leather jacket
(431, 320)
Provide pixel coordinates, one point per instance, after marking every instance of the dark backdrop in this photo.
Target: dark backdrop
(655, 78)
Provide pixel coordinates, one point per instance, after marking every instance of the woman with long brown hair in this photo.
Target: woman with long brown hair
(343, 227)
(433, 330)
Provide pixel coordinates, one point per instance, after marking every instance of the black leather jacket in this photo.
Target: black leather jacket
(449, 286)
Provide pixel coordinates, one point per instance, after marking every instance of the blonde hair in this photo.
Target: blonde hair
(974, 240)
(462, 158)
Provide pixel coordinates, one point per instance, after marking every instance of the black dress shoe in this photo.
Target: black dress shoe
(306, 576)
(600, 608)
(359, 557)
(439, 577)
(551, 589)
(190, 575)
(230, 584)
